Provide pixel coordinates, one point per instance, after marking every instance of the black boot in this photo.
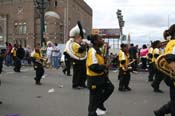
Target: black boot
(165, 109)
(158, 113)
(155, 88)
(37, 82)
(64, 71)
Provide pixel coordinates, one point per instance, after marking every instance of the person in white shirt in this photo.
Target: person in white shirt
(49, 54)
(56, 56)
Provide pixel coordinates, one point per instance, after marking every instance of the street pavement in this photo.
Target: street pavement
(21, 97)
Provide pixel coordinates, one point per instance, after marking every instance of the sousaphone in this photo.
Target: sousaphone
(162, 64)
(70, 42)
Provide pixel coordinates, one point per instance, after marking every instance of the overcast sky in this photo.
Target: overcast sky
(144, 19)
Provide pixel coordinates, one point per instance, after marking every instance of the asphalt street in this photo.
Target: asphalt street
(21, 97)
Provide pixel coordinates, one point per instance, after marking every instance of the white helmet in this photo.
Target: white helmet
(75, 31)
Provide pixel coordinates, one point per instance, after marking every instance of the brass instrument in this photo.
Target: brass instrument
(163, 66)
(38, 59)
(77, 30)
(72, 53)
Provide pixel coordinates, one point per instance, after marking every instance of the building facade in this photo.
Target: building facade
(20, 20)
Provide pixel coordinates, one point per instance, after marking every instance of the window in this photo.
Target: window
(25, 43)
(24, 30)
(55, 3)
(20, 28)
(20, 31)
(61, 28)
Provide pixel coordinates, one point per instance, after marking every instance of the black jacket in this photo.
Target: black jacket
(20, 53)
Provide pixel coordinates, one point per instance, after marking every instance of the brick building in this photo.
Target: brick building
(20, 20)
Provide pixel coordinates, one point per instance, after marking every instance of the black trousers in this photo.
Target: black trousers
(144, 63)
(159, 76)
(172, 98)
(134, 65)
(79, 73)
(152, 71)
(67, 66)
(17, 64)
(170, 106)
(39, 71)
(100, 89)
(124, 78)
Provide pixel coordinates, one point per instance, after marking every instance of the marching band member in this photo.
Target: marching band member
(79, 50)
(151, 67)
(158, 75)
(67, 60)
(13, 52)
(124, 70)
(99, 85)
(38, 66)
(170, 58)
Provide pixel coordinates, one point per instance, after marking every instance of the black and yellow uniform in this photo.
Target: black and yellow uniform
(13, 52)
(152, 57)
(159, 76)
(79, 66)
(68, 61)
(124, 72)
(170, 106)
(38, 67)
(151, 68)
(98, 82)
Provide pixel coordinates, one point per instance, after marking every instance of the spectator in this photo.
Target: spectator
(8, 58)
(143, 55)
(133, 56)
(49, 54)
(56, 56)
